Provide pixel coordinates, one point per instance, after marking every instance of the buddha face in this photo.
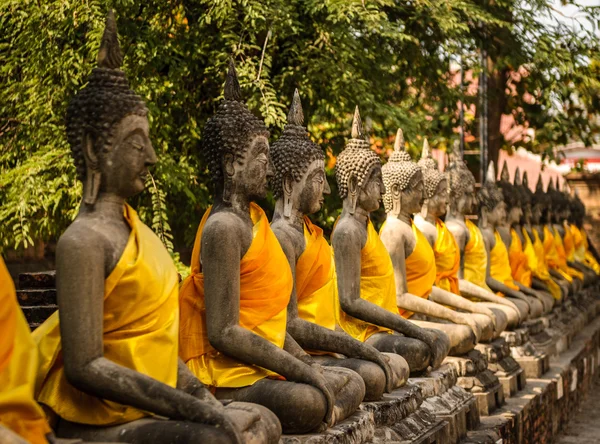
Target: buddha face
(437, 203)
(467, 200)
(311, 188)
(413, 197)
(252, 172)
(498, 215)
(514, 215)
(536, 213)
(125, 166)
(369, 195)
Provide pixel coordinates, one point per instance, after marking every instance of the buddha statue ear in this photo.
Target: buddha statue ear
(288, 189)
(93, 175)
(229, 172)
(353, 192)
(396, 199)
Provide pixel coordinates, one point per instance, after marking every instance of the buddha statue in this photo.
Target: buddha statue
(473, 265)
(299, 183)
(234, 303)
(533, 247)
(413, 259)
(492, 213)
(445, 248)
(108, 365)
(582, 251)
(366, 278)
(22, 419)
(512, 235)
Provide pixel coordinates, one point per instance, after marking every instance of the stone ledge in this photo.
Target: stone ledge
(43, 279)
(357, 429)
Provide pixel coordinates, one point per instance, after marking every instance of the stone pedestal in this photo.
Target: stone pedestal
(36, 294)
(503, 365)
(533, 362)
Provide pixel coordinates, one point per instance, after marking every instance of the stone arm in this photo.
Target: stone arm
(470, 290)
(505, 235)
(7, 436)
(221, 253)
(315, 337)
(538, 284)
(347, 246)
(444, 297)
(80, 291)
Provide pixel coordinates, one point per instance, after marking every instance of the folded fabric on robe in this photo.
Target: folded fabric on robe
(590, 259)
(447, 259)
(140, 331)
(265, 287)
(562, 254)
(500, 264)
(476, 257)
(552, 257)
(537, 262)
(519, 265)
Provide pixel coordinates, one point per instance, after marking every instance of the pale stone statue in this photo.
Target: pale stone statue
(299, 184)
(582, 251)
(365, 275)
(234, 304)
(413, 258)
(109, 368)
(473, 266)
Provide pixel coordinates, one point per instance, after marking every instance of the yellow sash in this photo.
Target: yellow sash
(476, 257)
(551, 254)
(141, 321)
(377, 286)
(579, 244)
(265, 288)
(420, 269)
(563, 257)
(590, 259)
(18, 366)
(518, 260)
(569, 243)
(537, 262)
(447, 259)
(316, 283)
(500, 264)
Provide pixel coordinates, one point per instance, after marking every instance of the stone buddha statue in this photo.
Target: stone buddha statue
(533, 247)
(413, 259)
(298, 185)
(582, 252)
(445, 248)
(366, 277)
(473, 265)
(234, 304)
(109, 368)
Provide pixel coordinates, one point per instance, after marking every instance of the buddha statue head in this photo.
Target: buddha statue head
(525, 195)
(577, 210)
(358, 172)
(461, 187)
(511, 198)
(107, 127)
(436, 185)
(541, 203)
(235, 144)
(557, 202)
(492, 208)
(403, 181)
(299, 166)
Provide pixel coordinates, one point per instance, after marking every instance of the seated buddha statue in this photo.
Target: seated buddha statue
(366, 277)
(22, 419)
(512, 236)
(445, 249)
(532, 244)
(582, 251)
(109, 367)
(233, 333)
(413, 259)
(299, 183)
(473, 264)
(492, 213)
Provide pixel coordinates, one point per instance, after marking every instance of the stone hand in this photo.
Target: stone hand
(384, 363)
(489, 313)
(466, 320)
(439, 345)
(319, 381)
(213, 414)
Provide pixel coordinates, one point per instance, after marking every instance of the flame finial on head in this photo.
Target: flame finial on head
(491, 173)
(517, 178)
(232, 84)
(399, 142)
(550, 186)
(357, 127)
(557, 186)
(539, 186)
(110, 55)
(296, 115)
(426, 153)
(399, 154)
(525, 180)
(504, 175)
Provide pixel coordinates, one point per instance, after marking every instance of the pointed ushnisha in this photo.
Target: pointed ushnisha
(517, 179)
(491, 173)
(109, 55)
(504, 175)
(399, 154)
(232, 84)
(427, 161)
(557, 186)
(296, 115)
(539, 186)
(357, 128)
(525, 180)
(425, 154)
(550, 186)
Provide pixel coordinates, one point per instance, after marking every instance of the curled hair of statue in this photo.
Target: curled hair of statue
(504, 174)
(489, 195)
(460, 178)
(294, 151)
(431, 175)
(512, 196)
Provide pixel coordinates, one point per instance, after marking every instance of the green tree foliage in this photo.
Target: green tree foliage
(392, 58)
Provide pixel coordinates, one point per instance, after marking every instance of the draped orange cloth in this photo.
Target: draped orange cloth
(551, 253)
(562, 254)
(579, 244)
(140, 329)
(519, 265)
(537, 262)
(447, 259)
(500, 264)
(476, 257)
(590, 259)
(420, 269)
(569, 243)
(265, 287)
(377, 286)
(18, 366)
(316, 283)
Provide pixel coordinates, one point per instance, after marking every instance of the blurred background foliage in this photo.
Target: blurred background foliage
(395, 59)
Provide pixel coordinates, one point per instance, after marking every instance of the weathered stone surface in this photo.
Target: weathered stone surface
(35, 315)
(44, 279)
(357, 429)
(44, 296)
(395, 406)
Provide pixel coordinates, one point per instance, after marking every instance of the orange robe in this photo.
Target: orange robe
(552, 257)
(519, 265)
(537, 262)
(316, 282)
(562, 254)
(447, 259)
(18, 366)
(590, 259)
(140, 329)
(420, 269)
(500, 264)
(476, 257)
(265, 287)
(377, 286)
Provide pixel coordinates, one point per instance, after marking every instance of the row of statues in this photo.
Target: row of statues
(275, 330)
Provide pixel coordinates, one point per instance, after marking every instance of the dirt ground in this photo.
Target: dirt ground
(584, 428)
